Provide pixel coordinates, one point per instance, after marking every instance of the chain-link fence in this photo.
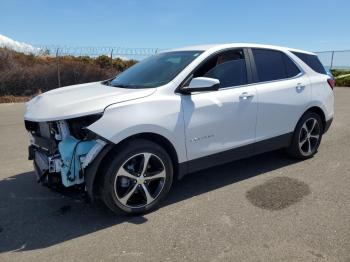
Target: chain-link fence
(56, 50)
(113, 52)
(107, 57)
(95, 52)
(335, 59)
(331, 59)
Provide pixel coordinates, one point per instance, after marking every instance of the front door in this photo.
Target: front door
(217, 122)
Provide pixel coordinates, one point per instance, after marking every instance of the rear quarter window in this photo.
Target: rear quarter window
(291, 69)
(312, 61)
(273, 65)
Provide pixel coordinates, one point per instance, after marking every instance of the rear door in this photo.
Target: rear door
(283, 92)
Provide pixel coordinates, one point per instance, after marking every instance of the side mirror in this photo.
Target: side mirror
(201, 84)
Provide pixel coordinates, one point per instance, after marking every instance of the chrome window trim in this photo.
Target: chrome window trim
(251, 84)
(302, 73)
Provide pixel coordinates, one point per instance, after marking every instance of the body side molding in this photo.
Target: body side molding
(231, 155)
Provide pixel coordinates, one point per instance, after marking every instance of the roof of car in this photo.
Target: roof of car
(233, 45)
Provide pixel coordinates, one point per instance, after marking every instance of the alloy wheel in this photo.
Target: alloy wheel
(140, 180)
(309, 136)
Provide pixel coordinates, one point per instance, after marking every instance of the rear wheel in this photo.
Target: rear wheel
(138, 178)
(307, 136)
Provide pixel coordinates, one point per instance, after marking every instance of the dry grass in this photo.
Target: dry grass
(23, 75)
(14, 99)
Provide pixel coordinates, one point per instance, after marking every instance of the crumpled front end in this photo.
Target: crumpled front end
(62, 150)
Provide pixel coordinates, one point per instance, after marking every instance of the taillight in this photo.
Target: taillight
(331, 82)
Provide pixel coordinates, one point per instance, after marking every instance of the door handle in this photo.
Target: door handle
(300, 87)
(245, 95)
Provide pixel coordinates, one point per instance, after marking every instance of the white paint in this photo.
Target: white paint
(227, 118)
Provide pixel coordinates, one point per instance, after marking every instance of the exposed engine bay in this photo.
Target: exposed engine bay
(63, 149)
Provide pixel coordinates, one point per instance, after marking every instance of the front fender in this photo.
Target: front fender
(92, 169)
(162, 115)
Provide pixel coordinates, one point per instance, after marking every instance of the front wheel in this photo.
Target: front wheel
(138, 178)
(307, 136)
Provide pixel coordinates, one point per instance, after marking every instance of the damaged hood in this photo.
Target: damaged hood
(79, 100)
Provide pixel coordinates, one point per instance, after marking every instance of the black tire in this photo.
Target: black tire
(297, 151)
(134, 149)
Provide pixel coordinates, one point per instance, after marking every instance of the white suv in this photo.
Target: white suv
(127, 139)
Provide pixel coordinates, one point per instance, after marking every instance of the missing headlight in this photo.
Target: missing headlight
(77, 126)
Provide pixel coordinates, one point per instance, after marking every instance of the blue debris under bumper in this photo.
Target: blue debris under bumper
(72, 152)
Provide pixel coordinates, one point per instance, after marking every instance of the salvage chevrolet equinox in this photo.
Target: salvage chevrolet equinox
(127, 139)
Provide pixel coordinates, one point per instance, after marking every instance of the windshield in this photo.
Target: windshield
(156, 70)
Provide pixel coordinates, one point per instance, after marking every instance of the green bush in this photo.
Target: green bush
(336, 72)
(344, 81)
(339, 80)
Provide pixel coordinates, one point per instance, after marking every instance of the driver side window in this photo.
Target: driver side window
(229, 67)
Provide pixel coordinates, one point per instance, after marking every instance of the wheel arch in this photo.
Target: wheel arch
(162, 142)
(294, 148)
(318, 110)
(94, 171)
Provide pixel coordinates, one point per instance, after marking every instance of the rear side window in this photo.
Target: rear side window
(273, 65)
(291, 69)
(312, 61)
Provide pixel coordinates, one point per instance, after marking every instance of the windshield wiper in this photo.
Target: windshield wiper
(120, 85)
(128, 86)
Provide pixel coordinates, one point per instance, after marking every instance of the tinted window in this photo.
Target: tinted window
(156, 70)
(273, 65)
(229, 67)
(291, 69)
(312, 61)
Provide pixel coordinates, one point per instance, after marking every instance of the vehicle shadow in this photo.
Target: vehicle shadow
(33, 217)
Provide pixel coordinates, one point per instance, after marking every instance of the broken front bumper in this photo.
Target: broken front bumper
(67, 166)
(41, 169)
(41, 163)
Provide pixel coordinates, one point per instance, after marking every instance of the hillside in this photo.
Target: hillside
(25, 75)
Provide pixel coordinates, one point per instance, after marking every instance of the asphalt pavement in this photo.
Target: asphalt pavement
(265, 208)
